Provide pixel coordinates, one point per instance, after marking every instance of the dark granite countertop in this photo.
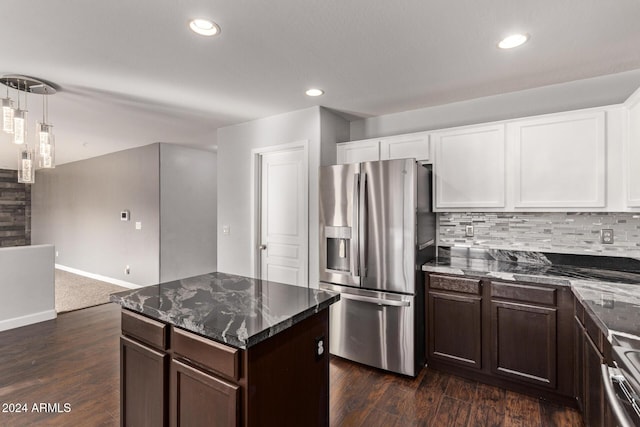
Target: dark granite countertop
(235, 310)
(609, 287)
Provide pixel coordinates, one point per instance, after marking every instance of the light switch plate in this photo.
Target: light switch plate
(226, 230)
(606, 236)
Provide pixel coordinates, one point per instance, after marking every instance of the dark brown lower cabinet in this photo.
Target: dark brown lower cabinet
(143, 385)
(200, 399)
(173, 377)
(524, 342)
(578, 368)
(594, 389)
(592, 350)
(510, 334)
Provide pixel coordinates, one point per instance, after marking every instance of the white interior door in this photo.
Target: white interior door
(284, 217)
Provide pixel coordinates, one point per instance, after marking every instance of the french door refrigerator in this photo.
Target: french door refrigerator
(377, 228)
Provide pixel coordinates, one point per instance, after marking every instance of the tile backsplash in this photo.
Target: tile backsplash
(575, 233)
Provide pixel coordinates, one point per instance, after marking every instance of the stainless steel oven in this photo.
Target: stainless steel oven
(622, 386)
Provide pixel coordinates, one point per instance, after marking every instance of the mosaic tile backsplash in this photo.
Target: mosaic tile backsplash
(575, 233)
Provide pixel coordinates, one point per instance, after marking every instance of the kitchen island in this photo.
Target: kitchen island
(223, 350)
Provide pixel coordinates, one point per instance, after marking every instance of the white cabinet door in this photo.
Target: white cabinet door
(559, 161)
(415, 145)
(469, 167)
(358, 151)
(633, 153)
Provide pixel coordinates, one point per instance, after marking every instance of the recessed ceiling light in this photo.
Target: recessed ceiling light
(314, 92)
(204, 27)
(514, 40)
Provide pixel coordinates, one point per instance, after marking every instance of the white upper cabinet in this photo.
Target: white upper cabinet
(632, 143)
(469, 167)
(358, 151)
(558, 161)
(414, 145)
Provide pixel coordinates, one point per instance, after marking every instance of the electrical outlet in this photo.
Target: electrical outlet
(138, 225)
(57, 254)
(606, 236)
(226, 230)
(606, 300)
(127, 270)
(468, 231)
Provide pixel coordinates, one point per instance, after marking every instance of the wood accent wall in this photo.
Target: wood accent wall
(15, 210)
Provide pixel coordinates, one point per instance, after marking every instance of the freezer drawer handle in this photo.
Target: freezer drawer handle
(608, 375)
(378, 301)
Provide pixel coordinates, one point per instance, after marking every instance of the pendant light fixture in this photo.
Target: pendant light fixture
(46, 140)
(7, 113)
(19, 120)
(26, 166)
(14, 122)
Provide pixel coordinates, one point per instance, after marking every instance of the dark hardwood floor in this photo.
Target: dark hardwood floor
(361, 396)
(72, 359)
(75, 359)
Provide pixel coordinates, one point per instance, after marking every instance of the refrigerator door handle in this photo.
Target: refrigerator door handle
(378, 301)
(363, 226)
(355, 247)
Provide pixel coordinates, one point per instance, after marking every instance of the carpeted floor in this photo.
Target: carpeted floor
(74, 292)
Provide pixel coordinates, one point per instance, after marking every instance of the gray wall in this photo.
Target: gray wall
(547, 99)
(187, 212)
(27, 279)
(333, 128)
(236, 253)
(76, 207)
(15, 210)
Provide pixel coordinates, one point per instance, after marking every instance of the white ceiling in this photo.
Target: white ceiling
(131, 72)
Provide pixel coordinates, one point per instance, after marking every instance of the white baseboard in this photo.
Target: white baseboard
(29, 319)
(98, 277)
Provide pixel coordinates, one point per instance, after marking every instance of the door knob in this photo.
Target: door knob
(262, 247)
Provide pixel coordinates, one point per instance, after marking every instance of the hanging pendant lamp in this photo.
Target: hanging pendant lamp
(20, 120)
(46, 139)
(7, 113)
(14, 122)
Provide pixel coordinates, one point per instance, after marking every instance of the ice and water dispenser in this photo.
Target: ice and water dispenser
(338, 248)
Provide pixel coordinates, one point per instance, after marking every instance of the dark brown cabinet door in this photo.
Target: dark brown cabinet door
(143, 373)
(524, 342)
(593, 387)
(200, 399)
(455, 329)
(579, 363)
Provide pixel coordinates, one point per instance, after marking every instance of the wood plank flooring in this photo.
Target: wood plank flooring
(72, 359)
(362, 396)
(75, 359)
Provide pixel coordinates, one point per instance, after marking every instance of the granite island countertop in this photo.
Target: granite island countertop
(608, 287)
(234, 310)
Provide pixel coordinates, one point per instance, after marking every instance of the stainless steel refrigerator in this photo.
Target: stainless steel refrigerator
(377, 228)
